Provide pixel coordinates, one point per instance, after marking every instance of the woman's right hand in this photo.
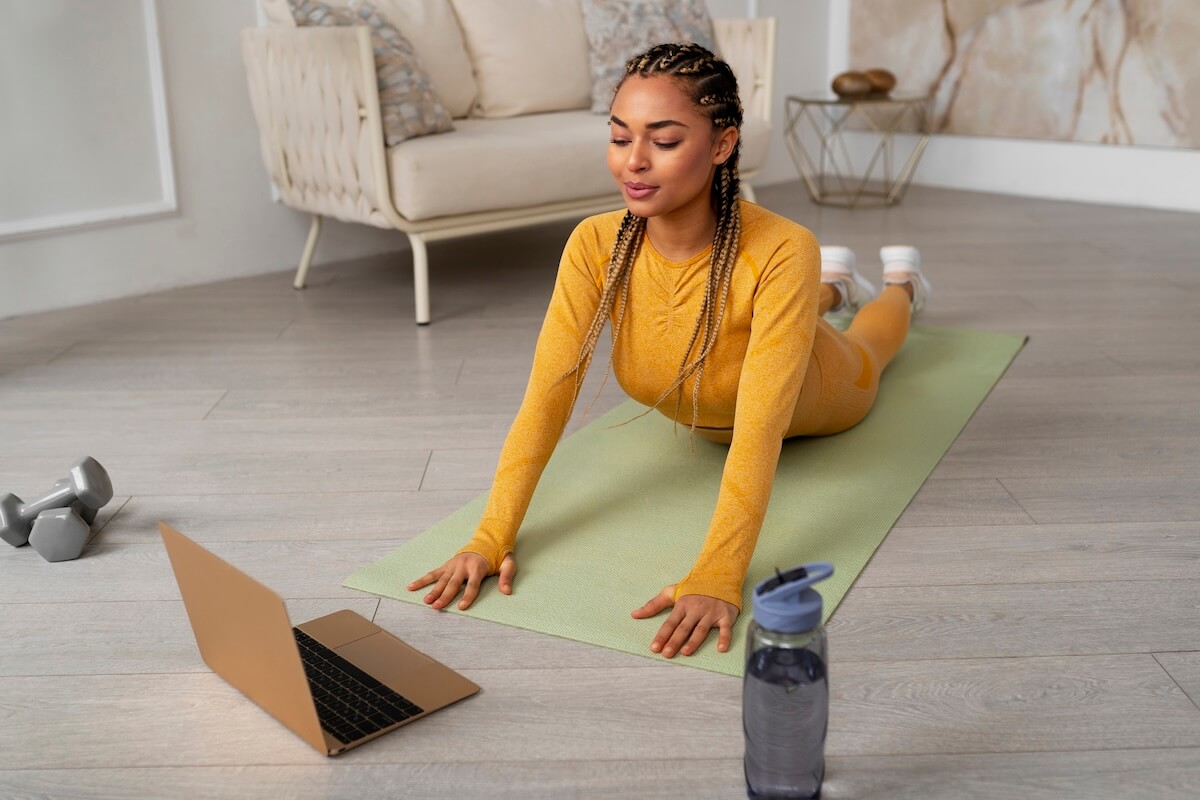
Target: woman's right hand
(463, 569)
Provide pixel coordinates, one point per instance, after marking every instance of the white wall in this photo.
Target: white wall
(801, 56)
(226, 224)
(1149, 177)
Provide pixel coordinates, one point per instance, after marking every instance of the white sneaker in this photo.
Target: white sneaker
(901, 265)
(838, 269)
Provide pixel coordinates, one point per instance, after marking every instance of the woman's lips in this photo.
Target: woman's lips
(639, 191)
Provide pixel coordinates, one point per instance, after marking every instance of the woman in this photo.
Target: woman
(690, 275)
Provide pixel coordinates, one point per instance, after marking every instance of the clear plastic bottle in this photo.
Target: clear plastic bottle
(785, 690)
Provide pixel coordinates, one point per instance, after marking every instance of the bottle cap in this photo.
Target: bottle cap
(786, 601)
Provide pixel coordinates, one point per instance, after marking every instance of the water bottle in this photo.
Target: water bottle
(785, 691)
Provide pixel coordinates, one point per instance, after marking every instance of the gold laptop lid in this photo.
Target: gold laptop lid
(243, 632)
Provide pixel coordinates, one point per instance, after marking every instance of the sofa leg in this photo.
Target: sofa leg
(310, 246)
(747, 191)
(420, 277)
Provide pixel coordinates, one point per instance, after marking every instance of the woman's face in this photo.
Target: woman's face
(663, 152)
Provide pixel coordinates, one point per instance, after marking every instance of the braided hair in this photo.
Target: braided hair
(712, 87)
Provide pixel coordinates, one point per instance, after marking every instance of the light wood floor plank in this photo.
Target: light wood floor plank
(242, 472)
(389, 516)
(1110, 774)
(176, 326)
(119, 637)
(1169, 389)
(15, 351)
(1006, 554)
(126, 571)
(104, 407)
(1128, 498)
(1184, 669)
(1045, 356)
(878, 709)
(1147, 418)
(357, 344)
(1114, 775)
(1008, 705)
(274, 404)
(655, 779)
(1076, 457)
(967, 502)
(461, 469)
(997, 621)
(214, 725)
(160, 373)
(226, 436)
(1174, 356)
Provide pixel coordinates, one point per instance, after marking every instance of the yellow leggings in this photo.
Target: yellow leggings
(843, 373)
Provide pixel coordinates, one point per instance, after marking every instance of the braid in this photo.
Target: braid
(616, 281)
(713, 88)
(711, 85)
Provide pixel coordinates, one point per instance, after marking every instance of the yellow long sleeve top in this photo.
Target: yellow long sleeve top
(751, 380)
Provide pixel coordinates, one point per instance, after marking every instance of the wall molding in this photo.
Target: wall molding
(166, 203)
(1162, 178)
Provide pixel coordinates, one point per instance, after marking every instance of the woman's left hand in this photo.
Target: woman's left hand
(689, 623)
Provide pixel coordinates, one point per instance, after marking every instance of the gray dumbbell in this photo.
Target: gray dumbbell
(87, 514)
(59, 534)
(87, 483)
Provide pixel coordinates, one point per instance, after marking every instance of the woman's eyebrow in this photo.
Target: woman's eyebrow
(654, 126)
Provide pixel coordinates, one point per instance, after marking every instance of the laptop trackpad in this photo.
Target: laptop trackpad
(339, 628)
(410, 672)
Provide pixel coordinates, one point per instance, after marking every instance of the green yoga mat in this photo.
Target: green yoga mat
(621, 512)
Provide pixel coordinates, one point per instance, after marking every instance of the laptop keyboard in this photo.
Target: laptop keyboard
(350, 703)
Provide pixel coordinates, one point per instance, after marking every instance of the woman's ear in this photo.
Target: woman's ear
(724, 145)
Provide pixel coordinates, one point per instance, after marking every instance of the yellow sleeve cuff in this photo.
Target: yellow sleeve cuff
(712, 587)
(493, 554)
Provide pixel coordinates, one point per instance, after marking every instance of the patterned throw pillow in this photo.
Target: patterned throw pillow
(617, 30)
(407, 101)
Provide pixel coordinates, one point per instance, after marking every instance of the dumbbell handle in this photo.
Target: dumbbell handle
(60, 496)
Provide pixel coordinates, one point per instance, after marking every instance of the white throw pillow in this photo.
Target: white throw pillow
(278, 12)
(433, 30)
(530, 56)
(407, 101)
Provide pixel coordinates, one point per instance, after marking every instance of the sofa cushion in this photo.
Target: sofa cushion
(617, 30)
(278, 12)
(497, 164)
(407, 100)
(530, 56)
(433, 30)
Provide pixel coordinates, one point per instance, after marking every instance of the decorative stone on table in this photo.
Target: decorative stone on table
(853, 84)
(881, 80)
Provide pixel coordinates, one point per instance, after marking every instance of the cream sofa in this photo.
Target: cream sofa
(535, 154)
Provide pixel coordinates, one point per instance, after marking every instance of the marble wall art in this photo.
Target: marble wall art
(1108, 71)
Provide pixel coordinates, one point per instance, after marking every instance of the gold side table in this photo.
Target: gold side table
(833, 179)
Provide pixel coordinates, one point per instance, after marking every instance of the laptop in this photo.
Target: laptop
(336, 682)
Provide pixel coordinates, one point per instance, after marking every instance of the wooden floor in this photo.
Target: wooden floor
(1030, 628)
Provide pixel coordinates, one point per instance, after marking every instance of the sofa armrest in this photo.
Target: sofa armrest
(748, 46)
(316, 102)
